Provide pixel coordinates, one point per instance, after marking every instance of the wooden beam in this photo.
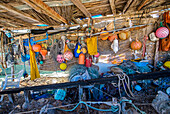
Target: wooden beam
(113, 79)
(142, 4)
(79, 4)
(17, 12)
(55, 4)
(127, 5)
(47, 10)
(17, 20)
(112, 5)
(11, 21)
(32, 5)
(100, 6)
(6, 24)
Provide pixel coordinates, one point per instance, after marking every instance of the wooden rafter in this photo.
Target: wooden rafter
(79, 4)
(40, 5)
(142, 4)
(17, 12)
(32, 5)
(55, 4)
(112, 5)
(127, 5)
(8, 24)
(10, 21)
(17, 20)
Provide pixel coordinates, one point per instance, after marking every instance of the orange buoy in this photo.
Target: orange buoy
(36, 47)
(103, 34)
(43, 53)
(81, 59)
(83, 50)
(136, 45)
(111, 38)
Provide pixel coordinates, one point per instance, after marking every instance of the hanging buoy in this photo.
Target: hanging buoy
(81, 59)
(153, 37)
(77, 50)
(88, 61)
(97, 55)
(36, 47)
(60, 58)
(41, 62)
(103, 34)
(83, 50)
(122, 36)
(111, 38)
(25, 58)
(136, 45)
(63, 66)
(43, 53)
(68, 55)
(162, 32)
(127, 34)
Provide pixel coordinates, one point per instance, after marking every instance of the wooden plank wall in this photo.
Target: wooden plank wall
(124, 48)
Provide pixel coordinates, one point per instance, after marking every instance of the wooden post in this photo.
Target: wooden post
(12, 71)
(156, 54)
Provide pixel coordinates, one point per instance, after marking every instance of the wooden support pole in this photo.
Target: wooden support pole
(79, 4)
(156, 54)
(112, 5)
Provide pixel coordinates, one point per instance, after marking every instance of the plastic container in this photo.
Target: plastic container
(60, 94)
(141, 63)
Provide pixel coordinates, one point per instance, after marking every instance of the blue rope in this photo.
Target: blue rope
(130, 101)
(113, 108)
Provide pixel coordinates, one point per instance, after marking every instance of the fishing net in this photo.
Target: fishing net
(80, 72)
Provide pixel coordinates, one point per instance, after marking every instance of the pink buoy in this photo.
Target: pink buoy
(162, 32)
(97, 55)
(68, 55)
(60, 58)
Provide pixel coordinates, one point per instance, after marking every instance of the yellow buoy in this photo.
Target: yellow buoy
(63, 66)
(167, 64)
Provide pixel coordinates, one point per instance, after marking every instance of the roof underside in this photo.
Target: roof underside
(27, 13)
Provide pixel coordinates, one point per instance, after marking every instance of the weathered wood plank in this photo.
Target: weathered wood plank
(79, 4)
(17, 12)
(46, 9)
(112, 5)
(55, 4)
(127, 5)
(32, 5)
(142, 4)
(11, 21)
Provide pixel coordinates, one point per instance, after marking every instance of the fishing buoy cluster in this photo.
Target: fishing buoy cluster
(38, 48)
